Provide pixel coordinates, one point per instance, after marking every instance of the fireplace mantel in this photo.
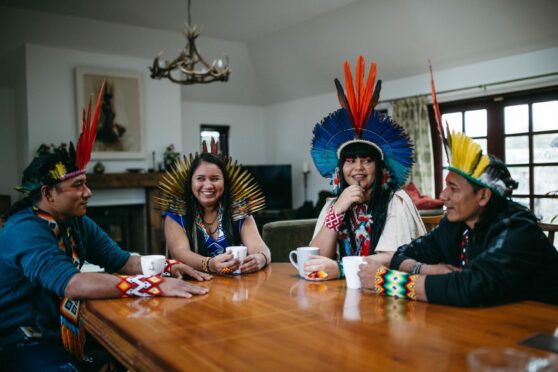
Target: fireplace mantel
(148, 181)
(123, 180)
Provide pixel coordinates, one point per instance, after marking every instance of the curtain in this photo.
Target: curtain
(412, 115)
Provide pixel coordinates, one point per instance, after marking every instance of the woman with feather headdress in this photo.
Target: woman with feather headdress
(208, 201)
(367, 158)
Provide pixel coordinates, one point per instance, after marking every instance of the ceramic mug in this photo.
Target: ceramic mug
(302, 254)
(239, 252)
(153, 264)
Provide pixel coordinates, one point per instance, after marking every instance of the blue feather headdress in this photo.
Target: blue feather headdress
(356, 122)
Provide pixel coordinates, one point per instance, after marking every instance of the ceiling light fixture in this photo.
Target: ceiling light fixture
(190, 67)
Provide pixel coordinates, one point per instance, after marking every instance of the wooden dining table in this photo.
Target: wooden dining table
(273, 320)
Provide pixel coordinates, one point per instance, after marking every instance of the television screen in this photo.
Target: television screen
(275, 182)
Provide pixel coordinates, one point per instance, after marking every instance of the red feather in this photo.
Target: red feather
(363, 99)
(437, 114)
(88, 132)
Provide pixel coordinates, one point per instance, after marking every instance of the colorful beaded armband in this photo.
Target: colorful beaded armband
(168, 266)
(395, 283)
(140, 285)
(333, 220)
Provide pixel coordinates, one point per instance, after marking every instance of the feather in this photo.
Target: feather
(350, 89)
(214, 147)
(342, 98)
(437, 114)
(88, 132)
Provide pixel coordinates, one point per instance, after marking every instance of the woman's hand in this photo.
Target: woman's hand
(353, 194)
(253, 262)
(223, 263)
(321, 263)
(181, 270)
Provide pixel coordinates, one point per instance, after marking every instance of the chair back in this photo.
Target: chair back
(430, 222)
(550, 230)
(284, 236)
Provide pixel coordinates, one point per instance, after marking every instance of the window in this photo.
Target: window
(518, 128)
(219, 132)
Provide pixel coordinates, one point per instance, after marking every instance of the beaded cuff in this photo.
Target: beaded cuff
(395, 283)
(333, 220)
(140, 285)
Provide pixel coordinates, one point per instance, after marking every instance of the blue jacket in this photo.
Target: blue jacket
(35, 271)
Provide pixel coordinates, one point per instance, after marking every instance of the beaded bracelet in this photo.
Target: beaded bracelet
(168, 266)
(205, 264)
(395, 283)
(333, 220)
(139, 285)
(265, 258)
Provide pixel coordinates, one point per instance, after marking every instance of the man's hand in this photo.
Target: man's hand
(321, 263)
(178, 288)
(182, 270)
(438, 269)
(367, 273)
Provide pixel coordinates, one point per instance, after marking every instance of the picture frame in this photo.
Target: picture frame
(120, 128)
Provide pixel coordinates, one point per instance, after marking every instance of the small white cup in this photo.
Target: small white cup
(239, 252)
(152, 265)
(302, 254)
(350, 266)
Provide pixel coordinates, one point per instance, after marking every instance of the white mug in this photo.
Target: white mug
(152, 265)
(350, 266)
(239, 252)
(302, 254)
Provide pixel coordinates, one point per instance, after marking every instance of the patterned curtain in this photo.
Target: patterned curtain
(412, 115)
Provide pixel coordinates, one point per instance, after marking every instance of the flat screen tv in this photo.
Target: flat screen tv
(275, 182)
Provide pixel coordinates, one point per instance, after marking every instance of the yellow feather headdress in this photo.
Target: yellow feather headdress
(465, 156)
(246, 195)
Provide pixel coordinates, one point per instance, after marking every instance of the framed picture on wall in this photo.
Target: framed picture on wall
(120, 128)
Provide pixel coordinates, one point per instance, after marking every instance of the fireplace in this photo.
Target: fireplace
(125, 206)
(125, 224)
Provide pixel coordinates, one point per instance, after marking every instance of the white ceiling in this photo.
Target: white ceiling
(296, 47)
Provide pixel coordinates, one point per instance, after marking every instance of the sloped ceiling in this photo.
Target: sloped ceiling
(296, 47)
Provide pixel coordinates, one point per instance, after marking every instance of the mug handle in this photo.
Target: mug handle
(291, 259)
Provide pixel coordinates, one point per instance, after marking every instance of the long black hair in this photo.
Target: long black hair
(380, 198)
(193, 206)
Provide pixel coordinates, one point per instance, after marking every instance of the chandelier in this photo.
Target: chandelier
(190, 67)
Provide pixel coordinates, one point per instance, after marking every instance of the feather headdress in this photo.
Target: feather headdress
(464, 155)
(246, 195)
(62, 164)
(357, 122)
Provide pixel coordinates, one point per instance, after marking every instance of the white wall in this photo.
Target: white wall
(247, 133)
(8, 145)
(51, 102)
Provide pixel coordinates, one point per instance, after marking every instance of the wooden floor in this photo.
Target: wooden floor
(272, 320)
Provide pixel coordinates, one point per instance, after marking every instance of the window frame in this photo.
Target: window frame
(496, 136)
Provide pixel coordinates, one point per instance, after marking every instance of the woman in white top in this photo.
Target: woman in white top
(366, 218)
(367, 158)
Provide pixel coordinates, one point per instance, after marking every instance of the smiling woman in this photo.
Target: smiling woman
(208, 206)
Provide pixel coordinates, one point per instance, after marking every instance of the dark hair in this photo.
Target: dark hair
(381, 196)
(497, 170)
(193, 206)
(35, 175)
